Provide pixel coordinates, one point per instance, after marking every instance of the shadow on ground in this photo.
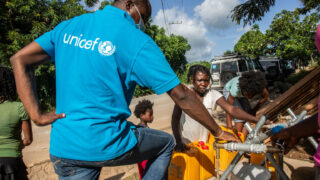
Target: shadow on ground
(116, 177)
(303, 173)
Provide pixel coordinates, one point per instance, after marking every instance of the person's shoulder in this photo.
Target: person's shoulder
(214, 92)
(12, 104)
(233, 82)
(235, 79)
(18, 104)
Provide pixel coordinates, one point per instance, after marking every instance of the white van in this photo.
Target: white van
(224, 68)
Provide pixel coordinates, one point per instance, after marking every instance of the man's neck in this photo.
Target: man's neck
(143, 123)
(119, 5)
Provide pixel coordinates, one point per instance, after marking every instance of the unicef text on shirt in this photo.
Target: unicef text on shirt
(105, 48)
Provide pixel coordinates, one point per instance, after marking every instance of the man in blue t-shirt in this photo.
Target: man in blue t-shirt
(99, 59)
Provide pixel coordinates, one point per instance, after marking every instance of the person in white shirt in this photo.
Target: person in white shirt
(184, 127)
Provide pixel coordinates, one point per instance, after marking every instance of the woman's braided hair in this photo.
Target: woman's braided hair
(197, 68)
(7, 85)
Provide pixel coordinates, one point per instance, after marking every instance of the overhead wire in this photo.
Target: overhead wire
(164, 17)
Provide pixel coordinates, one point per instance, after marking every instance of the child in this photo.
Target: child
(144, 112)
(242, 88)
(13, 119)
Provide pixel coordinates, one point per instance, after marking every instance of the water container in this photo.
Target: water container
(184, 165)
(197, 163)
(257, 158)
(206, 159)
(225, 156)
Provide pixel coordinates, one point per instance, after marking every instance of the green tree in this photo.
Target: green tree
(105, 3)
(22, 21)
(228, 52)
(292, 38)
(253, 10)
(173, 47)
(309, 5)
(252, 43)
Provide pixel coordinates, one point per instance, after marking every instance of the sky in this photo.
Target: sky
(207, 25)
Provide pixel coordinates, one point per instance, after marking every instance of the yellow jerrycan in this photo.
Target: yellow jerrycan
(196, 163)
(257, 158)
(225, 156)
(184, 165)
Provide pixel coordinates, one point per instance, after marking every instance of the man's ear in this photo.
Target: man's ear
(129, 4)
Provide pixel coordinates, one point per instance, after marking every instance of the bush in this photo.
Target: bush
(296, 77)
(46, 86)
(141, 91)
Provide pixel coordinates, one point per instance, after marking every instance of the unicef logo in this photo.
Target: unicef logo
(106, 48)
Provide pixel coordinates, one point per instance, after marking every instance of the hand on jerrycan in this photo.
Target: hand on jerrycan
(226, 136)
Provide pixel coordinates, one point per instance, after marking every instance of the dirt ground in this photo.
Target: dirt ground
(298, 163)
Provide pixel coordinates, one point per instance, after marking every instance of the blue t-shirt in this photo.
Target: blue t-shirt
(233, 88)
(99, 59)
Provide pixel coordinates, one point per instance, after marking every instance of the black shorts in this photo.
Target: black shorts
(12, 168)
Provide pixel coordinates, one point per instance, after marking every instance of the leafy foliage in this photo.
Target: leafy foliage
(309, 5)
(291, 38)
(22, 21)
(253, 10)
(228, 52)
(252, 43)
(288, 37)
(173, 47)
(296, 77)
(105, 3)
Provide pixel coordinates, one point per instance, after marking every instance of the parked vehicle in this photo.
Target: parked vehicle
(272, 67)
(224, 68)
(275, 69)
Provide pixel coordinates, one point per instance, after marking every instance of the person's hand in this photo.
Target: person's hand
(180, 147)
(48, 118)
(230, 127)
(287, 137)
(268, 122)
(228, 137)
(26, 142)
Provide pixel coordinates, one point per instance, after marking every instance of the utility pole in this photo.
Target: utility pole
(172, 23)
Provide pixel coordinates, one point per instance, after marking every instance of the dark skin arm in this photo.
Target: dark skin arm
(265, 96)
(235, 112)
(191, 105)
(176, 129)
(27, 132)
(230, 100)
(292, 135)
(22, 63)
